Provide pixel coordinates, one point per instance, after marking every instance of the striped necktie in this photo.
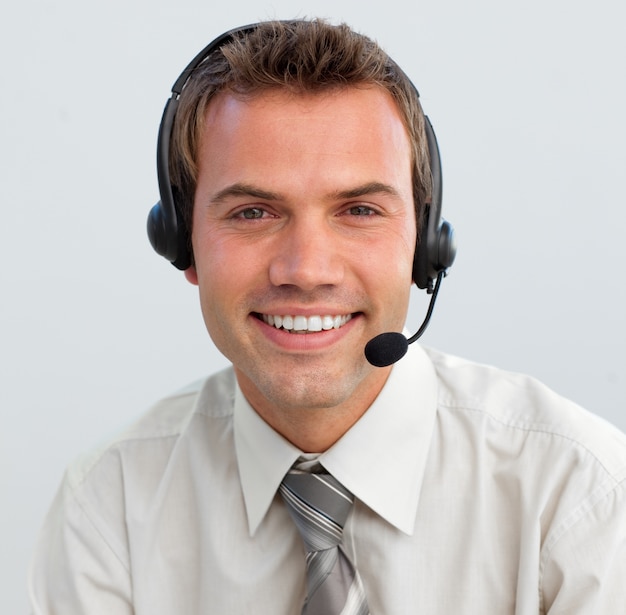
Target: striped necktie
(319, 506)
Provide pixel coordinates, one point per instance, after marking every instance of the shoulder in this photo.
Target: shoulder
(150, 457)
(558, 468)
(162, 425)
(514, 402)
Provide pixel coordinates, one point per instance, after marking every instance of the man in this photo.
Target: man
(300, 160)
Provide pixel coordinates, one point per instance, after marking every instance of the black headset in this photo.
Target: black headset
(435, 249)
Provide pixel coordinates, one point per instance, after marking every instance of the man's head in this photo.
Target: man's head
(300, 161)
(300, 57)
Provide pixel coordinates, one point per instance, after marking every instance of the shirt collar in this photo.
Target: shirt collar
(401, 418)
(263, 457)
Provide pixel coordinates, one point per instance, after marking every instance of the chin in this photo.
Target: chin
(310, 389)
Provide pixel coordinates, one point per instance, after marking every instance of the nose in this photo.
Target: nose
(307, 255)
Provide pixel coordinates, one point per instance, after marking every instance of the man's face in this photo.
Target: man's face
(303, 235)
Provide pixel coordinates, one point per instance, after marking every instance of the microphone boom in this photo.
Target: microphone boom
(387, 348)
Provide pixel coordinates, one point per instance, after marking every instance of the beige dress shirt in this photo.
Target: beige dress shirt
(477, 492)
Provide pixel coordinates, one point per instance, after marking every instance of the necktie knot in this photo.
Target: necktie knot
(319, 505)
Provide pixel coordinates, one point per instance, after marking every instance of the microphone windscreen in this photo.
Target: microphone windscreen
(386, 348)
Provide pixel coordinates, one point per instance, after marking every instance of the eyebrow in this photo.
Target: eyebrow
(243, 189)
(366, 189)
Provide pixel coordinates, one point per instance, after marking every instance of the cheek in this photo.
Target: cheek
(386, 271)
(219, 296)
(215, 262)
(227, 273)
(401, 250)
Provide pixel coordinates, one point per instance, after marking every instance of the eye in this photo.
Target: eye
(251, 213)
(361, 210)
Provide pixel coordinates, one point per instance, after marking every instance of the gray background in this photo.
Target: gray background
(528, 104)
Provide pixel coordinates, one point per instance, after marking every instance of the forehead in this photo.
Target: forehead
(350, 122)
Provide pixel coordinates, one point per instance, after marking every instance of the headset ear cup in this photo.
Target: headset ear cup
(184, 255)
(433, 254)
(170, 239)
(422, 275)
(157, 231)
(446, 248)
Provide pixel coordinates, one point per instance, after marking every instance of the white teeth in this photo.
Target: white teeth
(299, 323)
(315, 323)
(302, 324)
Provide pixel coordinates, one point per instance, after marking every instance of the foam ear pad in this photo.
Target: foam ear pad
(446, 246)
(157, 232)
(184, 257)
(435, 251)
(423, 271)
(170, 238)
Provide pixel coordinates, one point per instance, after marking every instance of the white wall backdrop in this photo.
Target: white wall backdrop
(527, 100)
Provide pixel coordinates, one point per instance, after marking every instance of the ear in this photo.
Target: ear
(192, 275)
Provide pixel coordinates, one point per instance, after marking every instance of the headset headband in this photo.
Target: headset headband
(434, 252)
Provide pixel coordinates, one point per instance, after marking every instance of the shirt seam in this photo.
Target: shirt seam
(91, 460)
(617, 476)
(612, 481)
(576, 516)
(114, 447)
(83, 509)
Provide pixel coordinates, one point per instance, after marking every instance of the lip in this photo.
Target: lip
(306, 342)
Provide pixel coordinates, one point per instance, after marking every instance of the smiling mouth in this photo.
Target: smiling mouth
(305, 324)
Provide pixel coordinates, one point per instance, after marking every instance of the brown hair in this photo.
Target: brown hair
(302, 57)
